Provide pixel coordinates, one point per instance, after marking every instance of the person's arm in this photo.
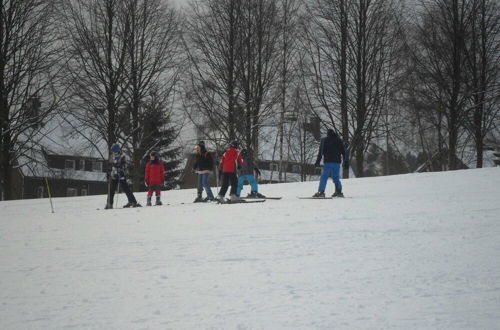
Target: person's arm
(320, 153)
(162, 171)
(147, 174)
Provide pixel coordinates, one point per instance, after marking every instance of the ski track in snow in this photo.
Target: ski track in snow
(417, 251)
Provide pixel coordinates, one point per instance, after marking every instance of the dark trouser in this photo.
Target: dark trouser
(203, 183)
(228, 178)
(123, 187)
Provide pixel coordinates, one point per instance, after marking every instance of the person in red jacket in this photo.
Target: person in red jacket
(229, 162)
(154, 177)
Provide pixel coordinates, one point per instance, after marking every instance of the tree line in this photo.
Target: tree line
(401, 83)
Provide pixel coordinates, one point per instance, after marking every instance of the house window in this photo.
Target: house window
(69, 164)
(39, 191)
(97, 166)
(71, 192)
(84, 192)
(295, 168)
(82, 164)
(274, 167)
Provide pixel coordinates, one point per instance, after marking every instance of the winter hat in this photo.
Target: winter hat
(115, 148)
(201, 144)
(155, 154)
(234, 144)
(330, 132)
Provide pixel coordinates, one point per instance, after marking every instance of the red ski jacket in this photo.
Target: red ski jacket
(229, 159)
(155, 173)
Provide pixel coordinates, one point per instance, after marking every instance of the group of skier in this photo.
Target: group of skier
(233, 162)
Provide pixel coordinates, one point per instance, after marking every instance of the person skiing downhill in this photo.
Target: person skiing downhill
(203, 166)
(330, 150)
(154, 178)
(118, 167)
(247, 174)
(229, 162)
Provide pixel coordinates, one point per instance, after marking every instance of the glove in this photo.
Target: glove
(346, 164)
(257, 171)
(239, 166)
(317, 164)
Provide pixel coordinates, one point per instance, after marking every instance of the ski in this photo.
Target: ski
(328, 197)
(250, 198)
(315, 197)
(242, 201)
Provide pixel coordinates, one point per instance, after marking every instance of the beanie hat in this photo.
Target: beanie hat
(115, 148)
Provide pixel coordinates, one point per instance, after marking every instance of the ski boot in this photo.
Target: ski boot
(132, 204)
(338, 193)
(234, 198)
(158, 201)
(209, 199)
(108, 207)
(148, 203)
(198, 199)
(319, 194)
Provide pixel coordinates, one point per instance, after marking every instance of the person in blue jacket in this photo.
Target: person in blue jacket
(247, 174)
(332, 151)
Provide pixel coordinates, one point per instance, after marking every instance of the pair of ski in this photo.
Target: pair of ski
(246, 200)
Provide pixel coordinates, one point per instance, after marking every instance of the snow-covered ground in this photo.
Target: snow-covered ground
(418, 251)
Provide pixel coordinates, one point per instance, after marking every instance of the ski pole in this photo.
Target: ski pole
(118, 194)
(50, 197)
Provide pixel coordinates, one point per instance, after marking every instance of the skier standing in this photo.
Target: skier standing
(117, 176)
(154, 178)
(247, 174)
(229, 162)
(203, 166)
(331, 149)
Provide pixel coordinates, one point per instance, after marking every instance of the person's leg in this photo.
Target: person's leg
(234, 183)
(241, 181)
(205, 184)
(112, 189)
(324, 177)
(158, 196)
(253, 183)
(225, 184)
(148, 200)
(200, 185)
(126, 189)
(336, 176)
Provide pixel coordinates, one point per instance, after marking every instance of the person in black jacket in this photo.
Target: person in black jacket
(117, 176)
(203, 166)
(331, 149)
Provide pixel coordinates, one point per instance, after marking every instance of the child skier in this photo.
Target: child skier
(117, 176)
(247, 174)
(203, 166)
(331, 149)
(228, 166)
(154, 177)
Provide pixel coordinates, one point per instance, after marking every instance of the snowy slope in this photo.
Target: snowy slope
(417, 251)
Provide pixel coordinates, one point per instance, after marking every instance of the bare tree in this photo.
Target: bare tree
(97, 42)
(29, 58)
(440, 60)
(212, 43)
(152, 69)
(482, 54)
(352, 47)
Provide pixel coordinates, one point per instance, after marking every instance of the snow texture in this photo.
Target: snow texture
(416, 251)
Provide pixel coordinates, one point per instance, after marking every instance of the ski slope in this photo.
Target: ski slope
(418, 251)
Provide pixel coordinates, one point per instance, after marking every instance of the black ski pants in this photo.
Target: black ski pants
(228, 178)
(123, 187)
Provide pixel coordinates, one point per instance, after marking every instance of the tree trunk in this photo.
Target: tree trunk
(359, 161)
(343, 81)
